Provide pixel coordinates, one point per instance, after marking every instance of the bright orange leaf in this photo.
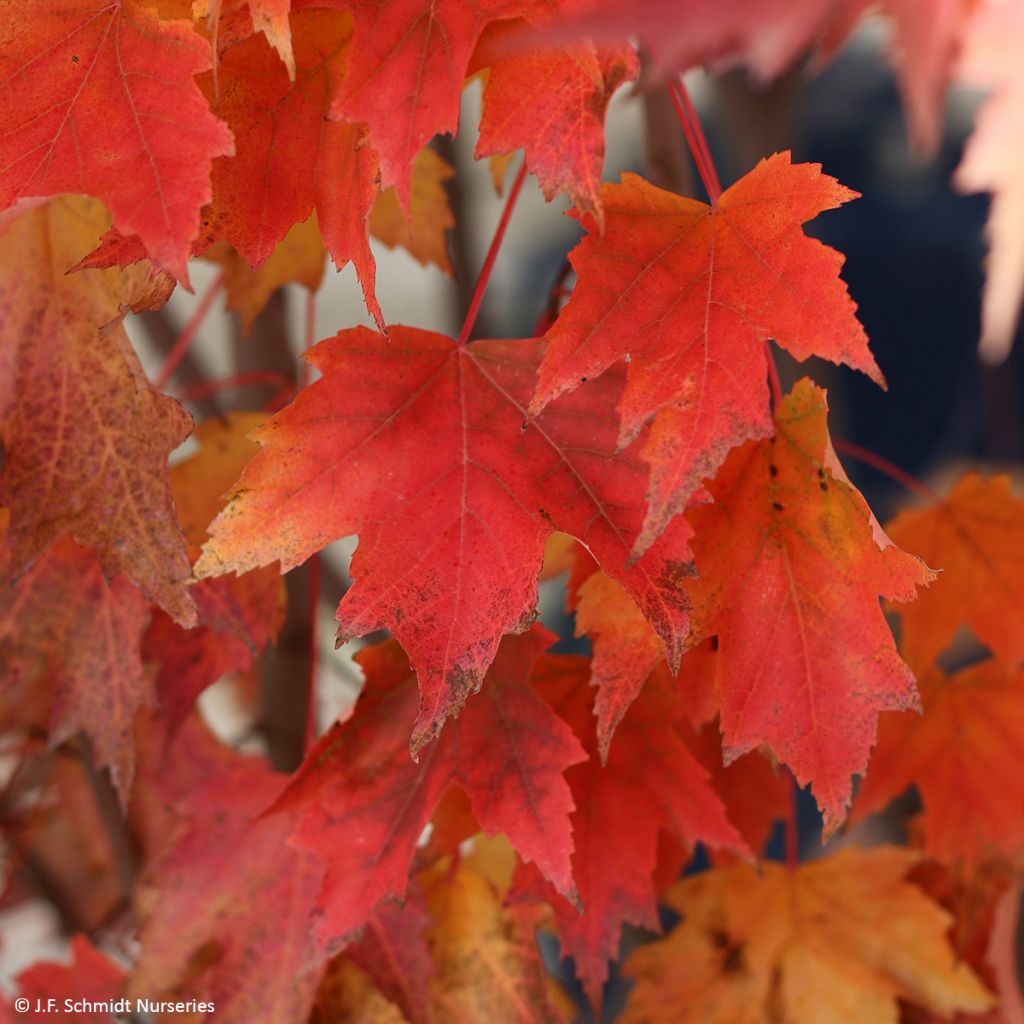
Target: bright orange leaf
(425, 232)
(238, 615)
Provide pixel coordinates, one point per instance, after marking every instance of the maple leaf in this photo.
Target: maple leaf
(226, 906)
(452, 492)
(348, 995)
(976, 537)
(769, 36)
(475, 959)
(651, 782)
(552, 102)
(90, 976)
(625, 650)
(298, 258)
(289, 159)
(927, 35)
(365, 802)
(85, 112)
(407, 65)
(689, 292)
(238, 615)
(992, 162)
(840, 939)
(790, 560)
(86, 438)
(755, 794)
(970, 734)
(393, 951)
(486, 957)
(62, 623)
(424, 233)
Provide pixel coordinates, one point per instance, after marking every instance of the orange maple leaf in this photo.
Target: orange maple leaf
(971, 733)
(839, 939)
(976, 538)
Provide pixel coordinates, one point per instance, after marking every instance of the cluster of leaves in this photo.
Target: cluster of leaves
(726, 572)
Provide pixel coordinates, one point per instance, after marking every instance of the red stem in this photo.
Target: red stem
(190, 330)
(492, 255)
(892, 471)
(773, 376)
(696, 140)
(791, 826)
(205, 388)
(314, 604)
(307, 369)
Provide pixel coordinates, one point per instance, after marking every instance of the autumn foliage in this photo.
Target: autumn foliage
(738, 601)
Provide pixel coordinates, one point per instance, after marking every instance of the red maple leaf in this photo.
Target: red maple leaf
(407, 65)
(64, 625)
(550, 102)
(651, 783)
(90, 976)
(227, 892)
(422, 447)
(689, 292)
(99, 98)
(792, 565)
(365, 802)
(86, 438)
(289, 159)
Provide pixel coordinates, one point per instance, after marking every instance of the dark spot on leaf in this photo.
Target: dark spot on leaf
(773, 470)
(733, 960)
(713, 643)
(777, 506)
(544, 515)
(674, 572)
(583, 380)
(823, 485)
(74, 58)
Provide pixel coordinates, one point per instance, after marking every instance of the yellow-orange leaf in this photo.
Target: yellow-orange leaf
(485, 955)
(298, 258)
(836, 941)
(424, 233)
